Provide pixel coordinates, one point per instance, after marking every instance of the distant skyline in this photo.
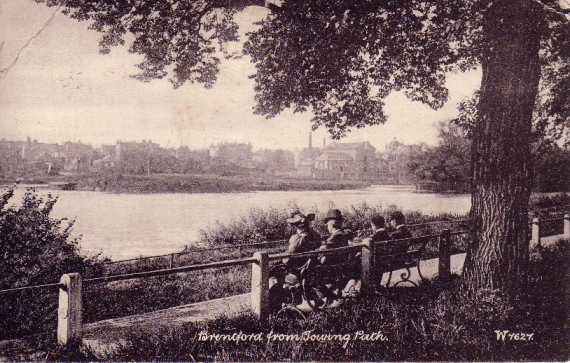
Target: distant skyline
(56, 87)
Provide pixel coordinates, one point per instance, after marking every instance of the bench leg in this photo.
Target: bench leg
(405, 277)
(420, 272)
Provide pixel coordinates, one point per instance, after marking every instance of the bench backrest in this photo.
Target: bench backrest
(409, 248)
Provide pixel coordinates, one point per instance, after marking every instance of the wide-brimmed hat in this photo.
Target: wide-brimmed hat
(333, 214)
(296, 218)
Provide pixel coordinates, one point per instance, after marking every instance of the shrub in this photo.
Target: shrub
(543, 201)
(36, 249)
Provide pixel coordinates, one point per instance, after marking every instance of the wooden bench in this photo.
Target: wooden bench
(393, 255)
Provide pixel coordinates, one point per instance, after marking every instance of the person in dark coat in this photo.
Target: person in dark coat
(303, 240)
(379, 232)
(338, 236)
(398, 223)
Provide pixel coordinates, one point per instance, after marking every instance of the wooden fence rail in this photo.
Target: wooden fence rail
(70, 285)
(536, 230)
(171, 256)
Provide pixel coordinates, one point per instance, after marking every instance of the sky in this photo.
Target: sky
(56, 87)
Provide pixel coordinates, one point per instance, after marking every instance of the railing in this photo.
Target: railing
(70, 285)
(537, 230)
(172, 256)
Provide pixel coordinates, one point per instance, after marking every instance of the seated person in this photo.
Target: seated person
(303, 240)
(338, 236)
(398, 222)
(379, 232)
(399, 232)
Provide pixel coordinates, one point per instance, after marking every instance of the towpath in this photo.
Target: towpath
(106, 332)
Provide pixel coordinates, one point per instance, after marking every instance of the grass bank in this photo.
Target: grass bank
(117, 299)
(437, 322)
(258, 225)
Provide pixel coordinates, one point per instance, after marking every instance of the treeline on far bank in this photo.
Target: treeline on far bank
(203, 183)
(117, 182)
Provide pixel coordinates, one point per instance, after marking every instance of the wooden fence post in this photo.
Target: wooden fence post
(444, 266)
(69, 323)
(535, 236)
(369, 277)
(260, 285)
(567, 226)
(171, 261)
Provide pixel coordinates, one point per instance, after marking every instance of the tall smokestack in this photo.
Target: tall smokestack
(324, 143)
(310, 140)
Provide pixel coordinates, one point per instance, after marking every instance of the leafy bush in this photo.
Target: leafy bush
(546, 201)
(36, 249)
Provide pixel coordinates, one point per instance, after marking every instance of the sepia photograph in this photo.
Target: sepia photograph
(284, 180)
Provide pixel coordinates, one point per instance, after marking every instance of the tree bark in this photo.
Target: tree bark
(497, 256)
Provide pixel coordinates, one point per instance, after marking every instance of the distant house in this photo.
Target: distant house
(305, 169)
(107, 162)
(34, 150)
(77, 156)
(184, 153)
(239, 154)
(273, 160)
(392, 164)
(339, 161)
(334, 165)
(11, 162)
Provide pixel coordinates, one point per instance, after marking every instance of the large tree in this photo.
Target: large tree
(341, 59)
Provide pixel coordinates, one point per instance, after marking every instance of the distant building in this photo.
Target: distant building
(77, 156)
(11, 163)
(392, 164)
(347, 161)
(239, 154)
(34, 150)
(201, 155)
(273, 160)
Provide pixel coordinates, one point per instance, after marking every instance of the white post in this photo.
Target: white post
(69, 323)
(260, 285)
(536, 231)
(567, 226)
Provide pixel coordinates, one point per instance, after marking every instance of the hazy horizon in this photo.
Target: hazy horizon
(55, 86)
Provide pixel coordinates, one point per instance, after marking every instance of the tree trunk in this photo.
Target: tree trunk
(498, 253)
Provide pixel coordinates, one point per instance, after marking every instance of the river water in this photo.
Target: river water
(130, 225)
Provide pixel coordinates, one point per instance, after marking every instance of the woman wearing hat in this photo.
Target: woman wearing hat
(303, 240)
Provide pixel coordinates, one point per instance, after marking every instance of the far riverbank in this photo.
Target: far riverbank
(194, 183)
